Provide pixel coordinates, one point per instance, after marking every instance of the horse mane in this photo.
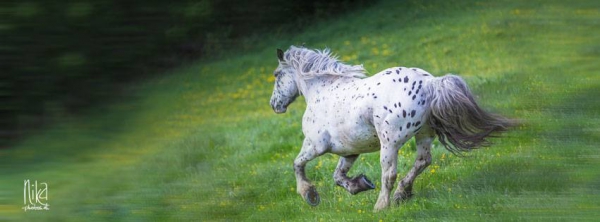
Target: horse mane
(314, 63)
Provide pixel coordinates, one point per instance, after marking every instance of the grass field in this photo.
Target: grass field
(202, 143)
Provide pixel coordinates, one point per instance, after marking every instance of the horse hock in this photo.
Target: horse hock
(403, 194)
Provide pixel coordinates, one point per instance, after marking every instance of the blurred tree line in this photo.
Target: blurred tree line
(61, 57)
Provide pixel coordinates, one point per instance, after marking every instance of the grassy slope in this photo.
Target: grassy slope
(203, 144)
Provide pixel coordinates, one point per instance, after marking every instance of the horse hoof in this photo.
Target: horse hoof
(367, 182)
(312, 197)
(402, 197)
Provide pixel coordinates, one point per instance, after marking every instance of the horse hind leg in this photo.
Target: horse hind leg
(423, 139)
(355, 185)
(303, 186)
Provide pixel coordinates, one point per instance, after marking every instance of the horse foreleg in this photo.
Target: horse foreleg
(303, 185)
(423, 159)
(355, 185)
(388, 159)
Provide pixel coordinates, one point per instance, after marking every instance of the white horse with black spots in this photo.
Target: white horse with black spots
(348, 114)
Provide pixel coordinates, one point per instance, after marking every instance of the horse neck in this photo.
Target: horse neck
(319, 85)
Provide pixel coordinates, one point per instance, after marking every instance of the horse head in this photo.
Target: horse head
(285, 90)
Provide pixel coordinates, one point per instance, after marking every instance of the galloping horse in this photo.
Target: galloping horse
(348, 114)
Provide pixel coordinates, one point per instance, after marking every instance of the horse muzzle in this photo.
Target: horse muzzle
(280, 110)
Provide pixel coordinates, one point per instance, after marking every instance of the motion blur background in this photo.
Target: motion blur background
(60, 58)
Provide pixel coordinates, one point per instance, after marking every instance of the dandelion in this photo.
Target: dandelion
(386, 52)
(432, 170)
(364, 40)
(319, 165)
(375, 51)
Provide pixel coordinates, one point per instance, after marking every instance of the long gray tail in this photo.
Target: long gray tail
(460, 124)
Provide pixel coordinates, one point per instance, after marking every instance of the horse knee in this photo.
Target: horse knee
(389, 179)
(423, 161)
(298, 167)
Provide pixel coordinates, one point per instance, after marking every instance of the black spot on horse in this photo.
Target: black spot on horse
(378, 83)
(409, 92)
(385, 107)
(388, 72)
(415, 96)
(418, 123)
(412, 113)
(390, 110)
(395, 105)
(405, 79)
(408, 125)
(398, 71)
(400, 128)
(404, 113)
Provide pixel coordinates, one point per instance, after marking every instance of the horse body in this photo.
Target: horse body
(349, 114)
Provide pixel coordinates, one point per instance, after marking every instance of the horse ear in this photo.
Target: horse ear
(280, 54)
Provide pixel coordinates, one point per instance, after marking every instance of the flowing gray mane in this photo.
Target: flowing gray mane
(314, 63)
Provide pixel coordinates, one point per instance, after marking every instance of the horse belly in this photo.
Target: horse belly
(356, 140)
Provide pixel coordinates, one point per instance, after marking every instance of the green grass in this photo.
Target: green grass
(203, 144)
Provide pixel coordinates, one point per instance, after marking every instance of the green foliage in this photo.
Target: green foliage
(202, 144)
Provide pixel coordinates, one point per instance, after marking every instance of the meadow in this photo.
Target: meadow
(201, 142)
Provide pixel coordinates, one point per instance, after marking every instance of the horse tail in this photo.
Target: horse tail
(460, 124)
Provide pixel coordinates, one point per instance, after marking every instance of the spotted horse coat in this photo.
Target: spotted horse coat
(349, 114)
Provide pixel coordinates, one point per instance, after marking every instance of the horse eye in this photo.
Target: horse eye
(276, 73)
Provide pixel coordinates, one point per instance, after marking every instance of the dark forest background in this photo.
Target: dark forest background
(61, 58)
